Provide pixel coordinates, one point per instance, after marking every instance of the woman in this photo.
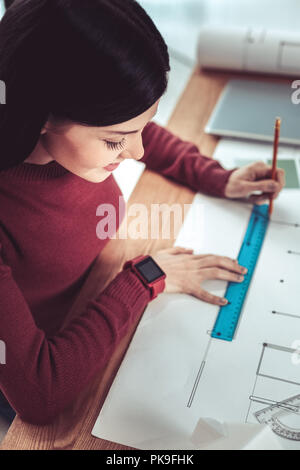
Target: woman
(83, 79)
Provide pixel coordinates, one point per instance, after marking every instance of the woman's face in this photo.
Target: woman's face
(87, 151)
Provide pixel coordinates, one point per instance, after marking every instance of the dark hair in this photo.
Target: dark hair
(7, 3)
(93, 62)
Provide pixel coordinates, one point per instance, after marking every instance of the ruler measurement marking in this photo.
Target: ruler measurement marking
(229, 315)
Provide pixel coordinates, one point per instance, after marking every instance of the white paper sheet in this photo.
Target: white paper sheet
(127, 176)
(150, 403)
(210, 434)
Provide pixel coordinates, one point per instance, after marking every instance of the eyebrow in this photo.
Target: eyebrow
(121, 132)
(125, 133)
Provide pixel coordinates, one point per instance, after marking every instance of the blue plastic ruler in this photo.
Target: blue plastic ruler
(229, 315)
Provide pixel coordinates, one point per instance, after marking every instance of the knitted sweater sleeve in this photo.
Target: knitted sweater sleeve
(42, 375)
(181, 161)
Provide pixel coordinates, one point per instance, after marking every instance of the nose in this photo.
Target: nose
(135, 149)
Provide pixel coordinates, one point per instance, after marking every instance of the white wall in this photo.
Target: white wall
(179, 20)
(2, 9)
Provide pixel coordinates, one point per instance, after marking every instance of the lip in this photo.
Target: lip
(111, 167)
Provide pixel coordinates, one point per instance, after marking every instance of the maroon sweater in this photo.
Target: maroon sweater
(48, 244)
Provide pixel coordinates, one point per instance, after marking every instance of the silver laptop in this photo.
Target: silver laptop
(248, 109)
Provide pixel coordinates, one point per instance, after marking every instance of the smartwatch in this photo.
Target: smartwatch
(149, 273)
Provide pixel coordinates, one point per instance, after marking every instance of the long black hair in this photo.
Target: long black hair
(92, 62)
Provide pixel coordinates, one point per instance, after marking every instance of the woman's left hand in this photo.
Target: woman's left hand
(255, 177)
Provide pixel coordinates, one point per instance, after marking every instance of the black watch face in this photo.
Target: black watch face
(149, 269)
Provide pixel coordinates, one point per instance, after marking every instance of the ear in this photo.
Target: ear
(46, 127)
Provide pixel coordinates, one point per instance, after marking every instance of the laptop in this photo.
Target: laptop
(248, 109)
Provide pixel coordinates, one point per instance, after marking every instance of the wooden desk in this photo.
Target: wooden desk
(72, 429)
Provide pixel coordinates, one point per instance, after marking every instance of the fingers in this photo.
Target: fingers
(266, 186)
(209, 298)
(219, 261)
(222, 274)
(179, 249)
(280, 176)
(261, 171)
(186, 273)
(260, 199)
(265, 196)
(259, 178)
(214, 273)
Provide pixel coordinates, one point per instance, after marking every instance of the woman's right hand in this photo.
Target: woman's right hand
(186, 271)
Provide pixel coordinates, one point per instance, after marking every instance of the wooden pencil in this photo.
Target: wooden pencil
(274, 161)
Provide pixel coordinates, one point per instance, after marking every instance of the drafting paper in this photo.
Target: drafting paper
(212, 435)
(127, 176)
(147, 405)
(249, 49)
